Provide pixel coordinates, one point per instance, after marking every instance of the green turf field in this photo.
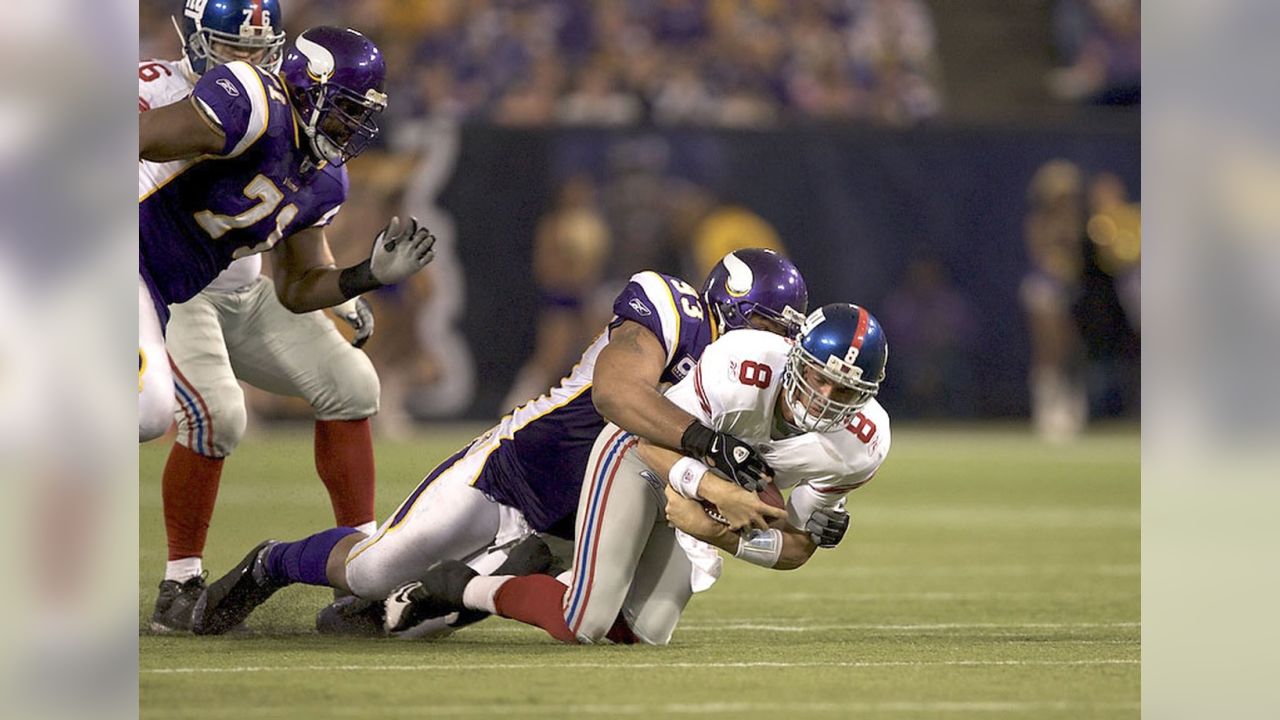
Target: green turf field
(985, 575)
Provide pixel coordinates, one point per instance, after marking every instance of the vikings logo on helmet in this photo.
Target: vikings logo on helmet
(755, 282)
(338, 75)
(842, 345)
(215, 32)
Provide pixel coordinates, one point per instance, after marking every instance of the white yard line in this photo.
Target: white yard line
(637, 666)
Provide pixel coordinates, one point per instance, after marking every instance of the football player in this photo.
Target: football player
(236, 328)
(250, 162)
(807, 406)
(524, 475)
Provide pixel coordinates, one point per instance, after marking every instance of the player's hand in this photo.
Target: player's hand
(687, 515)
(735, 459)
(400, 250)
(826, 527)
(357, 313)
(740, 508)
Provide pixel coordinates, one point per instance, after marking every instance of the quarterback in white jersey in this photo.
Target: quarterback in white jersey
(808, 406)
(237, 329)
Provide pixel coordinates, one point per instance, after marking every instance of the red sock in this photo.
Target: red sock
(344, 460)
(189, 490)
(621, 633)
(535, 600)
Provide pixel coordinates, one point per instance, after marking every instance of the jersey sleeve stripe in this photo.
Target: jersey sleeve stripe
(327, 217)
(655, 287)
(259, 106)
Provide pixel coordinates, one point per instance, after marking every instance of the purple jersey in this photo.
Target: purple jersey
(196, 216)
(543, 446)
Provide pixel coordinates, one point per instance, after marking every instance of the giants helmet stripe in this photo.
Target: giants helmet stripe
(860, 334)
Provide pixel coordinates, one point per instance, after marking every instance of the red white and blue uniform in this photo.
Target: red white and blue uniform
(628, 560)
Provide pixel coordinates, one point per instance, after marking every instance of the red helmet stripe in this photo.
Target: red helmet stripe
(256, 19)
(860, 334)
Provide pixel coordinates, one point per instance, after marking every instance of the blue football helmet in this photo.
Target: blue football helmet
(336, 78)
(755, 281)
(840, 345)
(215, 32)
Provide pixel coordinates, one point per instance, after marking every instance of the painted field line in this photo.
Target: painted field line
(961, 569)
(802, 624)
(638, 666)
(709, 708)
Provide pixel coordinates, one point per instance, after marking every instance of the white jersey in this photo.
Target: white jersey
(164, 82)
(735, 388)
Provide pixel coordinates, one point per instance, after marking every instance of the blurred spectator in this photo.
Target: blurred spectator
(569, 250)
(738, 63)
(1104, 39)
(932, 327)
(1115, 229)
(1054, 231)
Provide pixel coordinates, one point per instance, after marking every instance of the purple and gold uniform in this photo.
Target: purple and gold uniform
(196, 216)
(526, 472)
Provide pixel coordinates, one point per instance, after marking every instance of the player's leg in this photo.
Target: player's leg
(211, 422)
(155, 383)
(661, 589)
(444, 517)
(304, 355)
(616, 512)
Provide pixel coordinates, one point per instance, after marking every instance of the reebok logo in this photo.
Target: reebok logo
(640, 307)
(229, 87)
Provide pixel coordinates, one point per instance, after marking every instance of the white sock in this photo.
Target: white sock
(480, 592)
(368, 528)
(183, 569)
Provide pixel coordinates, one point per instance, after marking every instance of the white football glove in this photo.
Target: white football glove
(357, 313)
(400, 250)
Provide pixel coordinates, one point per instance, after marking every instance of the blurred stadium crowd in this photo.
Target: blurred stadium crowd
(662, 65)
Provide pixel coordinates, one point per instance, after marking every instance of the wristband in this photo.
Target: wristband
(357, 280)
(760, 547)
(685, 476)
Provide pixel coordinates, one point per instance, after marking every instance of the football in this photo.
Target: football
(771, 495)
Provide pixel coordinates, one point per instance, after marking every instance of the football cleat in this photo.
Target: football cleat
(437, 594)
(229, 600)
(175, 603)
(352, 616)
(530, 556)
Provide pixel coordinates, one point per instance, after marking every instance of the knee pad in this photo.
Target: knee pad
(352, 390)
(210, 422)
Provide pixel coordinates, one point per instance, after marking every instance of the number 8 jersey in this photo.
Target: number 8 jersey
(196, 216)
(735, 389)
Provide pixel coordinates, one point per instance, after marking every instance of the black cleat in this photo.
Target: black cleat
(352, 616)
(229, 600)
(437, 594)
(175, 603)
(530, 556)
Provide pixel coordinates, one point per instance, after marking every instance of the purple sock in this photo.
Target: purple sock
(304, 561)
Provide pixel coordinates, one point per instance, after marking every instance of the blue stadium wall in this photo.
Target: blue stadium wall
(853, 205)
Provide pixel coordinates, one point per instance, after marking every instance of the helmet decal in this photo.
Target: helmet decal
(740, 277)
(320, 62)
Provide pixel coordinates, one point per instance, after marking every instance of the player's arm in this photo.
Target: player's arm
(177, 132)
(307, 279)
(625, 392)
(693, 480)
(780, 547)
(625, 386)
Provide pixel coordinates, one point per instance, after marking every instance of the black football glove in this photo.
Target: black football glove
(730, 456)
(827, 527)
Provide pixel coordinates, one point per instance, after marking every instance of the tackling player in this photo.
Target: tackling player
(524, 475)
(236, 328)
(807, 406)
(252, 161)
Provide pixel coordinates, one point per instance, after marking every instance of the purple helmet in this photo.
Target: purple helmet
(755, 281)
(336, 76)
